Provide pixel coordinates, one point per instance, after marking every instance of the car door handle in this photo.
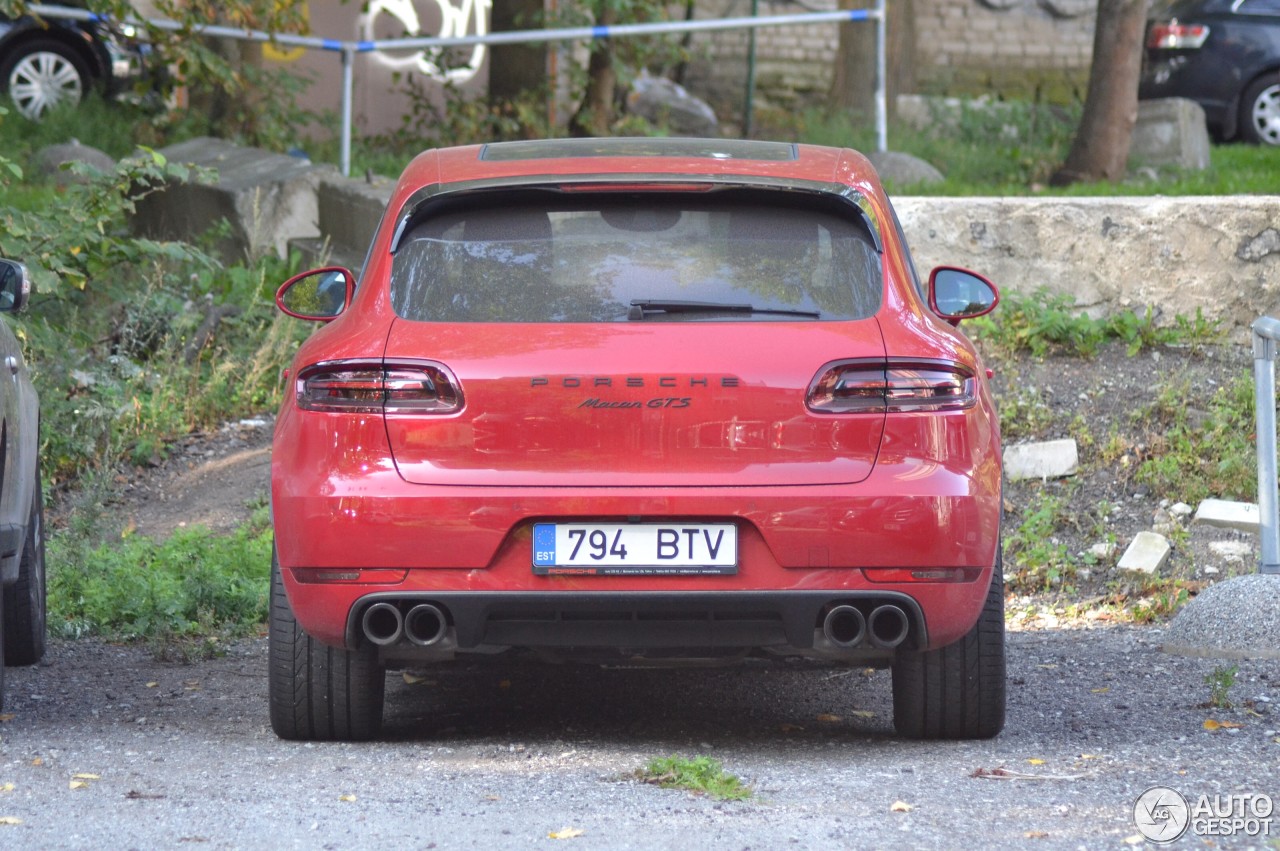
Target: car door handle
(12, 363)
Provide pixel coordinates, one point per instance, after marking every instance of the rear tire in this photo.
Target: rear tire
(25, 602)
(957, 691)
(318, 692)
(1260, 111)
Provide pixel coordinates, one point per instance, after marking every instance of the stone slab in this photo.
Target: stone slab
(1147, 553)
(1226, 514)
(1050, 459)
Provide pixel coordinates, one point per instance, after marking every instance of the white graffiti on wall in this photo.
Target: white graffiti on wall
(471, 17)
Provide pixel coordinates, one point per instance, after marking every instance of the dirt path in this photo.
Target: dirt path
(214, 480)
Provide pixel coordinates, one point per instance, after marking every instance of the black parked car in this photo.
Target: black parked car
(1223, 54)
(47, 60)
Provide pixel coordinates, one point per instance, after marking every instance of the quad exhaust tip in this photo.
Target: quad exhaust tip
(425, 624)
(844, 626)
(383, 624)
(888, 626)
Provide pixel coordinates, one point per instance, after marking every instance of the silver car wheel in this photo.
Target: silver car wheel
(41, 81)
(1265, 115)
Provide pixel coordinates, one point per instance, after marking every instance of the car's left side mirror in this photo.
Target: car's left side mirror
(319, 295)
(956, 294)
(15, 286)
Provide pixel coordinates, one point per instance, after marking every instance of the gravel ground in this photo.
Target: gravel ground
(501, 755)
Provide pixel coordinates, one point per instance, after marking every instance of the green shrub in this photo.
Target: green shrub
(193, 585)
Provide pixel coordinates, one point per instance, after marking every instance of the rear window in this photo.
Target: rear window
(539, 257)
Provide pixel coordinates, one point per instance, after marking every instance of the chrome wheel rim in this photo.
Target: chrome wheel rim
(1266, 115)
(41, 81)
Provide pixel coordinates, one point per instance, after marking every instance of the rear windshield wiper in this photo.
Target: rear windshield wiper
(641, 307)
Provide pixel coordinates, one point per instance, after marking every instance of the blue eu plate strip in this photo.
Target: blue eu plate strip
(544, 544)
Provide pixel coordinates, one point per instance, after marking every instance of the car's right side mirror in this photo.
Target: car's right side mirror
(319, 295)
(15, 286)
(956, 294)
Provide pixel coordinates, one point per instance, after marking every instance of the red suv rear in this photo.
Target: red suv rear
(608, 399)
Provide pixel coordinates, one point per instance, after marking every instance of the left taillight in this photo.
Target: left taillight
(862, 386)
(377, 387)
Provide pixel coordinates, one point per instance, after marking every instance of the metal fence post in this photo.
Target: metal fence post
(882, 81)
(348, 87)
(1266, 331)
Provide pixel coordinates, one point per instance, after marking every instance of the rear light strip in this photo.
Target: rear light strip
(896, 385)
(378, 387)
(1171, 35)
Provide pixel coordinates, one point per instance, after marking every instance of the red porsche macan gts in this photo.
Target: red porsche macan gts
(619, 399)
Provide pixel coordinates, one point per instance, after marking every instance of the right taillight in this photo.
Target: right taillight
(861, 386)
(1171, 35)
(377, 387)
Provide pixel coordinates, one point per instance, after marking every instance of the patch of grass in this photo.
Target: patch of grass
(1040, 323)
(114, 128)
(1200, 447)
(1011, 148)
(1045, 323)
(700, 774)
(1024, 415)
(1035, 560)
(1145, 599)
(190, 591)
(1220, 680)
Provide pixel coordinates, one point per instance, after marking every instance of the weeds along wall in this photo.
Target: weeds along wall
(1032, 49)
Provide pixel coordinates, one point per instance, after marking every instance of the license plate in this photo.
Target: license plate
(641, 549)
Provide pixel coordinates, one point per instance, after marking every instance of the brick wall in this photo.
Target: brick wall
(1026, 48)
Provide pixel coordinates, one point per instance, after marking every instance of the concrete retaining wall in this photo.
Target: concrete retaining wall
(1218, 254)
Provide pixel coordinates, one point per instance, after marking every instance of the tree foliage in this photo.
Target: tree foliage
(611, 62)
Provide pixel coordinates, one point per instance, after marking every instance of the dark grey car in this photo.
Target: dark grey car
(22, 571)
(1223, 54)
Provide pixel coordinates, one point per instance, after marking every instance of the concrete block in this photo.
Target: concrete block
(1170, 131)
(1051, 459)
(350, 210)
(1226, 514)
(1146, 554)
(266, 198)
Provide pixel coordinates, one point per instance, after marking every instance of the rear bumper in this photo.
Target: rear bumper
(642, 620)
(351, 532)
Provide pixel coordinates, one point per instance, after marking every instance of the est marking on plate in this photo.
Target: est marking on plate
(639, 549)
